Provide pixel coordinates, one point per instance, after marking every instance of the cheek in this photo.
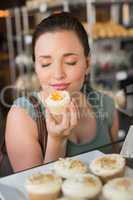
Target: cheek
(43, 75)
(78, 75)
(77, 79)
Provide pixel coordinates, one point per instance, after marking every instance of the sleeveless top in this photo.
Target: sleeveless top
(103, 109)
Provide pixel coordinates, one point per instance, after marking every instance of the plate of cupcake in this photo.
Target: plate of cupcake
(72, 179)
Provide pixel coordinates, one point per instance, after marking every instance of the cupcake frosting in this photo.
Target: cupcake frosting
(68, 167)
(43, 182)
(57, 100)
(107, 164)
(82, 186)
(119, 188)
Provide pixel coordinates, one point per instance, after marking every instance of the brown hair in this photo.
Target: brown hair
(61, 21)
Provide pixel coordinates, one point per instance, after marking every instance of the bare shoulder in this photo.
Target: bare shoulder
(19, 127)
(18, 120)
(22, 140)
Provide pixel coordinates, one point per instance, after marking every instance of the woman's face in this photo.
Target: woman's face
(60, 62)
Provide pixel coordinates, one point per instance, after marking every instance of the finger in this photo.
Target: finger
(76, 108)
(44, 95)
(52, 126)
(65, 119)
(63, 125)
(50, 122)
(73, 115)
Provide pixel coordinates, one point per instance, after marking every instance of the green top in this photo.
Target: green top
(103, 107)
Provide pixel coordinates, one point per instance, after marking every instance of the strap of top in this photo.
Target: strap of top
(2, 147)
(41, 124)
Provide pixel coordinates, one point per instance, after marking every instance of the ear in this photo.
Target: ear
(87, 65)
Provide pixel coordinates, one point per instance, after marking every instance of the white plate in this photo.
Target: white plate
(8, 193)
(15, 184)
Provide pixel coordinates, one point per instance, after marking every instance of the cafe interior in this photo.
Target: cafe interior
(109, 25)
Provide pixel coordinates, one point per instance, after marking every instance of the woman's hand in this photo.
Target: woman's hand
(59, 127)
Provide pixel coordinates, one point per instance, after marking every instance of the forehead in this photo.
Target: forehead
(58, 40)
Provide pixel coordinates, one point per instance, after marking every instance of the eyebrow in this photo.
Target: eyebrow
(70, 54)
(65, 55)
(45, 56)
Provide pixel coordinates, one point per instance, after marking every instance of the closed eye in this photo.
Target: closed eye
(71, 63)
(45, 65)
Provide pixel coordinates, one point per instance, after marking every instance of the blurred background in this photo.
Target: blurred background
(109, 24)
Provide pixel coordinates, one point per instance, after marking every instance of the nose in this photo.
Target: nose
(59, 72)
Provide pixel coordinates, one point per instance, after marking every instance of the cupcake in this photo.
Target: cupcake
(118, 189)
(85, 186)
(108, 166)
(67, 167)
(57, 101)
(44, 186)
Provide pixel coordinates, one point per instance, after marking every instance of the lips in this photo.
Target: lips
(61, 86)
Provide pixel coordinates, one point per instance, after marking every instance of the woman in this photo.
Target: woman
(61, 55)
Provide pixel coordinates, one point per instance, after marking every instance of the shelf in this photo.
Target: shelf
(94, 2)
(105, 76)
(49, 5)
(124, 38)
(111, 76)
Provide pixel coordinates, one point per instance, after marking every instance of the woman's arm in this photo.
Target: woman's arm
(22, 137)
(59, 129)
(56, 148)
(22, 142)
